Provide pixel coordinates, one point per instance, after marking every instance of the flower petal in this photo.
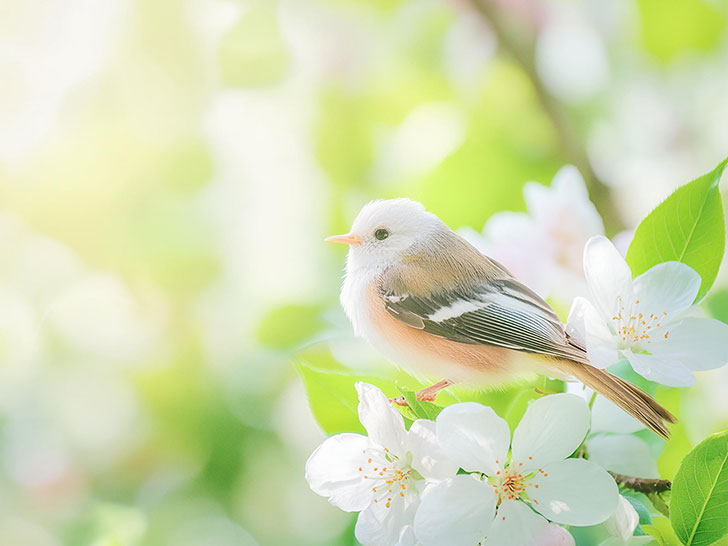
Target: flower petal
(458, 512)
(557, 536)
(623, 454)
(384, 424)
(551, 430)
(379, 524)
(608, 275)
(515, 523)
(407, 537)
(564, 210)
(698, 343)
(622, 523)
(333, 471)
(473, 436)
(427, 457)
(561, 493)
(609, 417)
(514, 240)
(661, 369)
(588, 326)
(669, 287)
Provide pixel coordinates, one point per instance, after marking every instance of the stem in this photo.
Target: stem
(642, 485)
(522, 53)
(592, 400)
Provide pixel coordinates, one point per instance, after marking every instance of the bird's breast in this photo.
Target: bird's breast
(434, 356)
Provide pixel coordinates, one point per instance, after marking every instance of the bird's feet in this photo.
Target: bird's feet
(425, 395)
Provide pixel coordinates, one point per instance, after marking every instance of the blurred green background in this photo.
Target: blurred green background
(169, 168)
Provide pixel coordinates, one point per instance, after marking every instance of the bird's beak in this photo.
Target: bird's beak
(346, 239)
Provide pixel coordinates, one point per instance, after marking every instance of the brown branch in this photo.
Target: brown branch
(519, 44)
(642, 485)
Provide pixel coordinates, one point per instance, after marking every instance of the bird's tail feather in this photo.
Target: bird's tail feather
(627, 396)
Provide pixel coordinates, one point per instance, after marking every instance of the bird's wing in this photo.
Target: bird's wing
(501, 312)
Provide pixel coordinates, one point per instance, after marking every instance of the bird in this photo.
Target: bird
(435, 305)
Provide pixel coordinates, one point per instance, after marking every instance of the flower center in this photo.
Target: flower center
(512, 481)
(635, 328)
(390, 477)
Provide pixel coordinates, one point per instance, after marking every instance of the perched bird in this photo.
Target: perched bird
(432, 303)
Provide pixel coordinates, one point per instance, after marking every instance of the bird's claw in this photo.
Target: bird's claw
(425, 395)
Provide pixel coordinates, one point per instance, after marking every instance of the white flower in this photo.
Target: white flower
(623, 454)
(621, 525)
(650, 320)
(501, 501)
(556, 535)
(380, 475)
(610, 442)
(544, 247)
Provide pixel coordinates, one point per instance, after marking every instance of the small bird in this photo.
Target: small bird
(432, 303)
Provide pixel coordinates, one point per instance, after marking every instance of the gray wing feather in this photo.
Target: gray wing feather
(503, 313)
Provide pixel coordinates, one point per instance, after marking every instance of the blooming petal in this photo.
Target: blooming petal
(514, 240)
(622, 240)
(516, 523)
(609, 417)
(457, 512)
(384, 424)
(622, 523)
(333, 471)
(473, 436)
(557, 536)
(661, 369)
(407, 537)
(427, 457)
(698, 343)
(669, 287)
(551, 430)
(574, 492)
(608, 275)
(381, 524)
(588, 326)
(623, 454)
(564, 209)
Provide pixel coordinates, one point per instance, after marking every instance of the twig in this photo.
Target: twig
(522, 52)
(642, 485)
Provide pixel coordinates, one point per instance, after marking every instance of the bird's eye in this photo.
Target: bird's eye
(381, 234)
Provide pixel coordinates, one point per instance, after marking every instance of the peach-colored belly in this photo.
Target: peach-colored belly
(440, 358)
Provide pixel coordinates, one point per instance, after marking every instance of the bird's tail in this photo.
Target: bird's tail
(627, 396)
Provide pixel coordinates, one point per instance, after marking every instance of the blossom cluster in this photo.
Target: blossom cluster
(462, 480)
(559, 249)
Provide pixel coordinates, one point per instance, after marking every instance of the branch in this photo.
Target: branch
(521, 50)
(642, 485)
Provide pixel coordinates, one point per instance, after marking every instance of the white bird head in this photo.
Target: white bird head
(385, 231)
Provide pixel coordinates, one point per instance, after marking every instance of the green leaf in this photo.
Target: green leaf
(661, 502)
(687, 227)
(662, 531)
(699, 507)
(519, 406)
(717, 304)
(332, 397)
(420, 408)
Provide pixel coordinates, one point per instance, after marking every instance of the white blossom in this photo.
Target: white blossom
(511, 499)
(650, 321)
(543, 248)
(380, 475)
(622, 524)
